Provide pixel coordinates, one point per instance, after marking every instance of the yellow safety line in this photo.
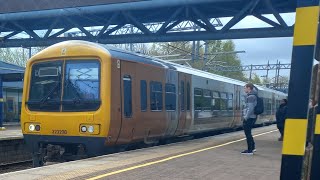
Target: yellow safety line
(172, 157)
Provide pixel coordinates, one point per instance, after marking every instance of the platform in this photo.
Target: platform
(215, 157)
(11, 132)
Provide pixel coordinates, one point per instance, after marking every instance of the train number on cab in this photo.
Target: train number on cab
(59, 132)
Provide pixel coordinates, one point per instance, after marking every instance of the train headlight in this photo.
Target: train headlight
(83, 129)
(31, 127)
(90, 129)
(37, 127)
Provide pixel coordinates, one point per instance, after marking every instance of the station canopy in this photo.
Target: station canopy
(10, 72)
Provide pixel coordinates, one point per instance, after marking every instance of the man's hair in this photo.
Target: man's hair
(285, 101)
(249, 85)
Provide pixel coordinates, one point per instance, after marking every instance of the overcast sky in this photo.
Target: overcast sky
(259, 51)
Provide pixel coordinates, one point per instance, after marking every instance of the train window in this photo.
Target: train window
(269, 106)
(156, 96)
(197, 99)
(230, 101)
(206, 100)
(188, 96)
(182, 95)
(243, 101)
(215, 101)
(81, 85)
(143, 95)
(170, 97)
(127, 94)
(45, 86)
(206, 93)
(215, 94)
(197, 92)
(223, 95)
(265, 104)
(223, 101)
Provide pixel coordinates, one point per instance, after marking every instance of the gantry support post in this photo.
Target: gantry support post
(304, 41)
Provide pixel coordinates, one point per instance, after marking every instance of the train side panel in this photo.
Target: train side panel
(211, 113)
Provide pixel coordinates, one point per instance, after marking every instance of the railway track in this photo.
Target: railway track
(16, 166)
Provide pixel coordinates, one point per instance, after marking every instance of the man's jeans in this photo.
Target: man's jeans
(247, 126)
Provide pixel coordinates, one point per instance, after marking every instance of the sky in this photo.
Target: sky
(261, 50)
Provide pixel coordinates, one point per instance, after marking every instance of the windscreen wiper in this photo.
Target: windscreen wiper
(76, 96)
(46, 98)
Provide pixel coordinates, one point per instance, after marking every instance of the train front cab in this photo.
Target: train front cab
(66, 102)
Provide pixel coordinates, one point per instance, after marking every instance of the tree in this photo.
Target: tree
(255, 79)
(183, 51)
(230, 59)
(17, 56)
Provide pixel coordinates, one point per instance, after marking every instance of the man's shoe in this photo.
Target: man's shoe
(280, 139)
(246, 152)
(254, 150)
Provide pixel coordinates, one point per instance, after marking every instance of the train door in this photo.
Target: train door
(182, 105)
(171, 102)
(274, 104)
(238, 106)
(188, 103)
(128, 101)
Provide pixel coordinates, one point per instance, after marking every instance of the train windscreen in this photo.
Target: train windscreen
(71, 85)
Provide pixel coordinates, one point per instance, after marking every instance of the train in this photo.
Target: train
(81, 99)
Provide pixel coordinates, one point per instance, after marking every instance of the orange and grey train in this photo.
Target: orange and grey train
(82, 99)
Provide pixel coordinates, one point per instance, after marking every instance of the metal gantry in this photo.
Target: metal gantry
(250, 67)
(152, 21)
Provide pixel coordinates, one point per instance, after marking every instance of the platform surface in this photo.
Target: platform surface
(11, 132)
(216, 157)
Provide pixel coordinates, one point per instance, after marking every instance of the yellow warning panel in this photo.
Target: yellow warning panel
(306, 26)
(295, 134)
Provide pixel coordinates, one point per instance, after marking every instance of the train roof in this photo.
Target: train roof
(180, 68)
(145, 59)
(120, 53)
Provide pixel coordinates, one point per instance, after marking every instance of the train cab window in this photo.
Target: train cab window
(127, 95)
(197, 99)
(170, 97)
(206, 100)
(188, 96)
(156, 96)
(45, 86)
(143, 95)
(215, 101)
(224, 101)
(182, 95)
(81, 90)
(230, 101)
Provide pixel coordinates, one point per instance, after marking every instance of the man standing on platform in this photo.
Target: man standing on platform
(249, 118)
